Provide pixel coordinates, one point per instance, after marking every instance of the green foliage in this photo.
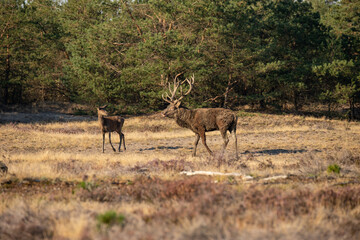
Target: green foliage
(264, 53)
(89, 186)
(80, 112)
(333, 168)
(110, 218)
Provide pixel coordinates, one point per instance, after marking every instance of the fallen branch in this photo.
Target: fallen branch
(245, 177)
(208, 173)
(274, 178)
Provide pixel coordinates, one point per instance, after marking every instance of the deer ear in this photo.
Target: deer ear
(102, 107)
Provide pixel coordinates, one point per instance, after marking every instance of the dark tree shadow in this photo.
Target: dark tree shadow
(41, 117)
(276, 151)
(163, 148)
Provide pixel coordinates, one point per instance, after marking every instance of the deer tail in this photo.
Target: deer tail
(233, 126)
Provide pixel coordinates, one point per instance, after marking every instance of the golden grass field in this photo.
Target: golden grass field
(60, 185)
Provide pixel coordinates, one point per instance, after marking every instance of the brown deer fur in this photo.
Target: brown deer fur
(202, 120)
(110, 124)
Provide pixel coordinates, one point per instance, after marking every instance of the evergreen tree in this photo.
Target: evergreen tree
(275, 53)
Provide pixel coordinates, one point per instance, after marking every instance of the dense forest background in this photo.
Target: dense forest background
(279, 54)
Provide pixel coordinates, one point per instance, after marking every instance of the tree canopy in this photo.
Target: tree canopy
(266, 53)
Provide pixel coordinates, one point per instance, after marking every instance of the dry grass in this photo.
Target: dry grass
(58, 175)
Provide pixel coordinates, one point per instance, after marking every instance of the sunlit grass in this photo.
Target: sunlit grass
(58, 174)
(35, 149)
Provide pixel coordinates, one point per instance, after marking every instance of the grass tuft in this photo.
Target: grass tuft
(333, 168)
(110, 218)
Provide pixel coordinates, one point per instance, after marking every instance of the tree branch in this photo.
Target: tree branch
(134, 21)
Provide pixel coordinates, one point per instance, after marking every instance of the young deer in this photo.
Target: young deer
(199, 120)
(110, 124)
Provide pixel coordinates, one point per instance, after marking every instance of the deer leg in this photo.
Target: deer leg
(236, 147)
(203, 138)
(123, 137)
(120, 141)
(197, 137)
(103, 140)
(110, 142)
(225, 138)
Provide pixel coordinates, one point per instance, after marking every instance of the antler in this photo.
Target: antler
(177, 84)
(191, 83)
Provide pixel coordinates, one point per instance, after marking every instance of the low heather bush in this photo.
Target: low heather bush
(73, 167)
(200, 195)
(155, 190)
(310, 164)
(22, 223)
(345, 157)
(156, 165)
(220, 160)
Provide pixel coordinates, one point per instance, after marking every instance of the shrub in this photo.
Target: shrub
(23, 223)
(89, 186)
(159, 165)
(333, 168)
(110, 218)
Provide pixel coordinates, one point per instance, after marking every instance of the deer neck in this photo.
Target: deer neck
(101, 116)
(101, 119)
(184, 117)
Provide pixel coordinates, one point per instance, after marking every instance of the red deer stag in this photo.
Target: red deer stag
(199, 120)
(110, 124)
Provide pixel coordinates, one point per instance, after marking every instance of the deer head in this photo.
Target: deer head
(101, 110)
(175, 103)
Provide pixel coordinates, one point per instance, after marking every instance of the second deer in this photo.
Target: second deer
(110, 124)
(199, 120)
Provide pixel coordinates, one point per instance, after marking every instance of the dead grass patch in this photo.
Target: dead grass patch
(58, 174)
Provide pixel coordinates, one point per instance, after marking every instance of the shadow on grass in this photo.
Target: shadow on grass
(163, 148)
(276, 151)
(261, 152)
